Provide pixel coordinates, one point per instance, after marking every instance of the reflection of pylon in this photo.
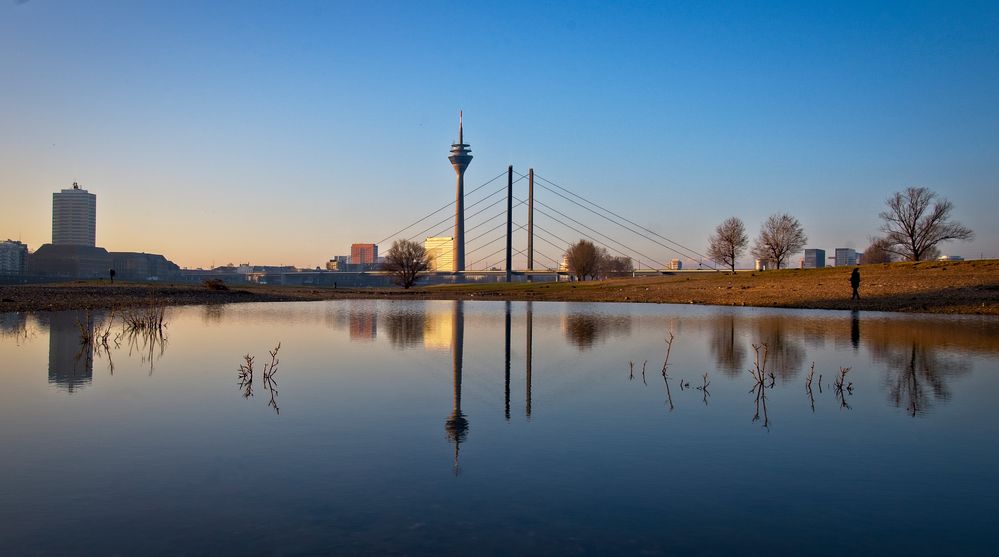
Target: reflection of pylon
(460, 157)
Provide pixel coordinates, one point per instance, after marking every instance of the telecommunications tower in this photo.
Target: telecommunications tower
(460, 156)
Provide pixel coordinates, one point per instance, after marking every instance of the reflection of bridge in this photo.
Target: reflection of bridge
(476, 234)
(456, 424)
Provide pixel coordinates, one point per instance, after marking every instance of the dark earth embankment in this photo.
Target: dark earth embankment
(964, 287)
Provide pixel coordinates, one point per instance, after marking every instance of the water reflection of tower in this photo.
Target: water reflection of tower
(71, 364)
(456, 425)
(460, 157)
(530, 347)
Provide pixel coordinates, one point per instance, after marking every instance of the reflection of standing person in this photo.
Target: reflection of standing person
(855, 329)
(855, 283)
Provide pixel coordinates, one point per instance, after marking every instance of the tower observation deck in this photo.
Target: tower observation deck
(460, 157)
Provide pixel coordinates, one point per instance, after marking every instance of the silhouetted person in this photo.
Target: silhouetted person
(111, 272)
(855, 283)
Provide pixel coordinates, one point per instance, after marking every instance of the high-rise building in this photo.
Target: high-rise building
(814, 259)
(846, 257)
(13, 256)
(74, 217)
(364, 254)
(440, 251)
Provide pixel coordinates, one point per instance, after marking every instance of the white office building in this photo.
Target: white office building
(440, 251)
(74, 217)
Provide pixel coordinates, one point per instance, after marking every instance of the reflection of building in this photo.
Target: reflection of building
(13, 256)
(440, 251)
(814, 259)
(438, 331)
(364, 254)
(71, 364)
(74, 217)
(363, 325)
(845, 257)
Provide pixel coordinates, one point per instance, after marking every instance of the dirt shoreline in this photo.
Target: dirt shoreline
(964, 287)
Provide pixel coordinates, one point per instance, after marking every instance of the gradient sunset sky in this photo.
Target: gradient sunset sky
(282, 132)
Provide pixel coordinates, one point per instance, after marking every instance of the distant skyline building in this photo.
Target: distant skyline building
(460, 158)
(846, 257)
(440, 251)
(74, 217)
(364, 254)
(13, 257)
(814, 259)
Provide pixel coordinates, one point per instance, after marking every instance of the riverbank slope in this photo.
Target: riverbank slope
(962, 287)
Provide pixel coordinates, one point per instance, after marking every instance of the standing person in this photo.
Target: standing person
(855, 283)
(111, 272)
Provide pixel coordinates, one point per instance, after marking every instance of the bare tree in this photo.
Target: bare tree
(584, 259)
(780, 236)
(616, 266)
(915, 221)
(728, 242)
(877, 252)
(405, 260)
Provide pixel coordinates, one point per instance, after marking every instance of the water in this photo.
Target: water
(449, 428)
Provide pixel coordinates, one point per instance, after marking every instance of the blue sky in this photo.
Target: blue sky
(273, 133)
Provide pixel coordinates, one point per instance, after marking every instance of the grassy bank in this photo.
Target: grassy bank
(964, 287)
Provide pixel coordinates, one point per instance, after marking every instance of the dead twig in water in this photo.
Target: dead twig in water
(246, 376)
(843, 388)
(808, 386)
(665, 372)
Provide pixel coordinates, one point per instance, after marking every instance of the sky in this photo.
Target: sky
(281, 132)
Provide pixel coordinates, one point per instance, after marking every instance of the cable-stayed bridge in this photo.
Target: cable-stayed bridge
(508, 230)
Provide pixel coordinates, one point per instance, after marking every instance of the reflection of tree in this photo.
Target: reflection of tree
(14, 325)
(212, 314)
(405, 327)
(917, 375)
(728, 351)
(584, 330)
(785, 355)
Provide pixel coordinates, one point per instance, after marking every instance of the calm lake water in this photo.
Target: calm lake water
(493, 428)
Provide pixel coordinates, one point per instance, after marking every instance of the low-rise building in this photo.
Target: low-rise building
(846, 257)
(13, 257)
(814, 259)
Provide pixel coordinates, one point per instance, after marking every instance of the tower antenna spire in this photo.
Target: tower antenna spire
(460, 139)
